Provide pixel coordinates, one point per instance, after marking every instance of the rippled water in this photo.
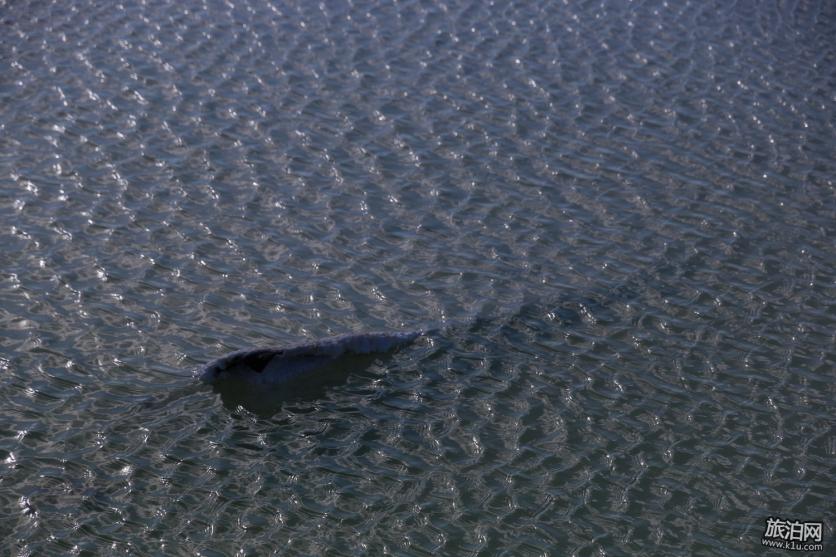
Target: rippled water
(624, 210)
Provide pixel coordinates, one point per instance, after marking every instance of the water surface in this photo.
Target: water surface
(625, 210)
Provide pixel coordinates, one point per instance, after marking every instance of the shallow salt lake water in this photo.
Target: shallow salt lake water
(621, 214)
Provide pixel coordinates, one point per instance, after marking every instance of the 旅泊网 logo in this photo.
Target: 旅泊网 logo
(794, 535)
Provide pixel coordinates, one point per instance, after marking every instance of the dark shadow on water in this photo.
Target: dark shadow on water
(266, 400)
